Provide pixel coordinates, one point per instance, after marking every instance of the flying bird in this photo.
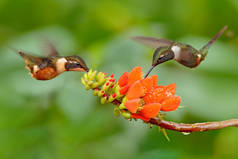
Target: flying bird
(52, 65)
(184, 54)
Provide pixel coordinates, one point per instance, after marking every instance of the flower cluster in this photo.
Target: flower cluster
(144, 99)
(134, 96)
(104, 87)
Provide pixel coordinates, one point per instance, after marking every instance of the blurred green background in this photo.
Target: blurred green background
(58, 119)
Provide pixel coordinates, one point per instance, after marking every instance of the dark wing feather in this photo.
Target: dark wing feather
(51, 50)
(153, 42)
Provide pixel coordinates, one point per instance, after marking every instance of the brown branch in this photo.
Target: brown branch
(206, 126)
(182, 127)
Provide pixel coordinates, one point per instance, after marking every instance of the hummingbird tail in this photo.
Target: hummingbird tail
(204, 50)
(21, 53)
(207, 46)
(17, 51)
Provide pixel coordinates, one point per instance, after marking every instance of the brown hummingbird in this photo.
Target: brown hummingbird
(184, 54)
(46, 68)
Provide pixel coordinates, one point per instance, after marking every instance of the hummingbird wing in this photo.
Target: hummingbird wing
(153, 42)
(51, 50)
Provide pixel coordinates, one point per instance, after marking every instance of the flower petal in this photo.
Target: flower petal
(150, 110)
(147, 83)
(155, 95)
(155, 80)
(138, 116)
(123, 80)
(135, 91)
(171, 88)
(124, 89)
(132, 105)
(171, 103)
(135, 75)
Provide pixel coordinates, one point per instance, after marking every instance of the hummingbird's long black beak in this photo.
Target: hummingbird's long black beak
(168, 55)
(147, 74)
(159, 61)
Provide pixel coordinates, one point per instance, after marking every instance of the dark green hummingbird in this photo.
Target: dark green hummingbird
(184, 54)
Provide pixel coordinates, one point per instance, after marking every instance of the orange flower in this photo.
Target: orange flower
(145, 99)
(127, 79)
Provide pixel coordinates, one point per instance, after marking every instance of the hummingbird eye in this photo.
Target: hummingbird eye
(78, 64)
(161, 57)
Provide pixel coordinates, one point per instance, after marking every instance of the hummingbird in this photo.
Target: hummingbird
(184, 54)
(50, 66)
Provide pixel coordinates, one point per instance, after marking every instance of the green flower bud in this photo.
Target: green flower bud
(99, 75)
(112, 97)
(83, 81)
(116, 111)
(107, 85)
(95, 92)
(101, 93)
(102, 81)
(87, 87)
(90, 72)
(90, 83)
(103, 100)
(124, 100)
(95, 85)
(126, 115)
(114, 87)
(122, 106)
(85, 76)
(118, 95)
(117, 88)
(92, 76)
